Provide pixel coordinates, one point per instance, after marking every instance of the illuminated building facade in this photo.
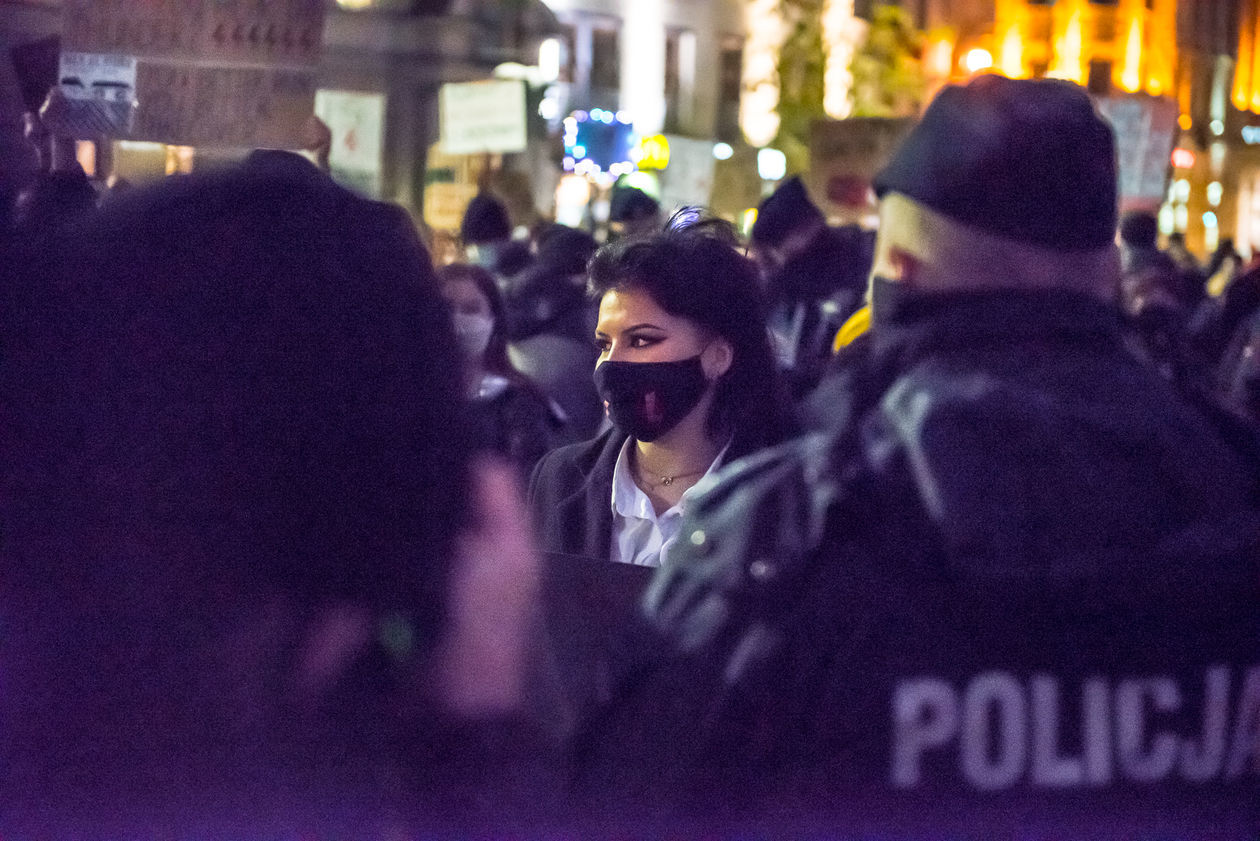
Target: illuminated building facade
(671, 66)
(1227, 45)
(1202, 54)
(657, 67)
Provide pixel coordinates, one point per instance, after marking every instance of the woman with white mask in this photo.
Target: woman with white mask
(509, 414)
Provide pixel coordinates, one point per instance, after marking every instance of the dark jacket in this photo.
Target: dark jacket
(813, 293)
(570, 493)
(1006, 511)
(516, 420)
(570, 496)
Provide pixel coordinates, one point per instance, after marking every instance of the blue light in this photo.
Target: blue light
(597, 114)
(600, 142)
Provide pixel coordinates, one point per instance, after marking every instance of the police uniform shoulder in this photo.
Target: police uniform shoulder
(758, 473)
(748, 529)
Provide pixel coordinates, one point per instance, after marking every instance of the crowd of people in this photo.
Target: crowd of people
(948, 530)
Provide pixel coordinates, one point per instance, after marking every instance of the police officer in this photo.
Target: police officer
(1012, 587)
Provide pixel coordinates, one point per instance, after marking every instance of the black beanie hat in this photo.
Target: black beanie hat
(1139, 228)
(485, 220)
(783, 211)
(1030, 160)
(630, 204)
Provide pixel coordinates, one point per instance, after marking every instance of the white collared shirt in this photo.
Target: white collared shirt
(639, 536)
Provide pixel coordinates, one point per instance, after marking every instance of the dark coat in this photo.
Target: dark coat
(570, 496)
(517, 422)
(570, 493)
(820, 287)
(1026, 506)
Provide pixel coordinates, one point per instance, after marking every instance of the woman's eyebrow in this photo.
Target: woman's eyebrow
(647, 324)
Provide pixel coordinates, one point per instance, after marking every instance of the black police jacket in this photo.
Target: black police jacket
(1014, 588)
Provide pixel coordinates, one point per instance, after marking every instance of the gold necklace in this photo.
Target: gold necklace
(665, 481)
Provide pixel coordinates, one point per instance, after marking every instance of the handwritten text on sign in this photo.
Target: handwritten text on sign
(274, 33)
(207, 72)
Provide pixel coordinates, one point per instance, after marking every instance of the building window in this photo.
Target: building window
(730, 83)
(605, 58)
(568, 53)
(1105, 28)
(1099, 82)
(673, 78)
(680, 69)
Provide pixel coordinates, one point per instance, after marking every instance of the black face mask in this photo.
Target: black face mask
(648, 399)
(888, 297)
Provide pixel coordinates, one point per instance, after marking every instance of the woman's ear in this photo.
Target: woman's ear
(717, 358)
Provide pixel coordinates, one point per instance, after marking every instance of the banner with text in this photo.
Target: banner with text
(192, 72)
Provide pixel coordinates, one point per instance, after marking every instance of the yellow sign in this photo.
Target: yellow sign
(654, 152)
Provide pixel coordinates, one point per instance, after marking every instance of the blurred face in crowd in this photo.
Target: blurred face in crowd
(471, 315)
(465, 298)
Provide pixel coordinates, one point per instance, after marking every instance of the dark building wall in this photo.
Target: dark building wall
(1210, 26)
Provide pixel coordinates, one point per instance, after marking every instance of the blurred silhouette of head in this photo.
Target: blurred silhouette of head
(485, 220)
(232, 401)
(1139, 229)
(632, 212)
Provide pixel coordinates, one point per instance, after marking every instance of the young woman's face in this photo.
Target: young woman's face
(465, 298)
(633, 328)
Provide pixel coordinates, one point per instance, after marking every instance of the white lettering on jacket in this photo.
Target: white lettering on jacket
(999, 731)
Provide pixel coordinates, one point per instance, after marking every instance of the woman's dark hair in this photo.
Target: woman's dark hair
(694, 269)
(267, 372)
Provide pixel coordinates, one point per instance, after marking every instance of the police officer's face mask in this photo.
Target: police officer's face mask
(647, 399)
(889, 297)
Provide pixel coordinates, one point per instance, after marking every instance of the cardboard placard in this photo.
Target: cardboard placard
(357, 123)
(688, 180)
(479, 117)
(1145, 129)
(277, 33)
(203, 72)
(845, 155)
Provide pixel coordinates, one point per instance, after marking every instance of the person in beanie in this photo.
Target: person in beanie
(486, 231)
(550, 324)
(1011, 590)
(814, 275)
(1151, 295)
(632, 213)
